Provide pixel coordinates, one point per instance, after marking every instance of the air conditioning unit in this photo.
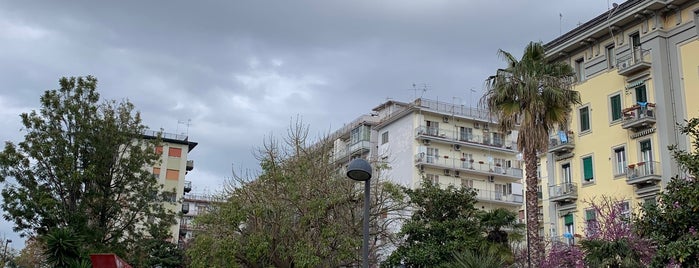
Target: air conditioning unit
(457, 174)
(623, 65)
(457, 147)
(447, 172)
(476, 125)
(445, 119)
(426, 142)
(491, 178)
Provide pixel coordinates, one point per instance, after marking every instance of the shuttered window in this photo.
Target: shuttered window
(587, 168)
(615, 103)
(568, 219)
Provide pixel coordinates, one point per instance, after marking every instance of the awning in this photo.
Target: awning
(634, 84)
(643, 133)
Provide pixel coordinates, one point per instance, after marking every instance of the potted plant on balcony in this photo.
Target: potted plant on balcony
(631, 166)
(446, 156)
(470, 160)
(640, 164)
(480, 162)
(497, 164)
(463, 159)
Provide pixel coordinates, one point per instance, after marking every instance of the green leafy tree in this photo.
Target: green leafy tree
(673, 222)
(443, 221)
(32, 255)
(537, 95)
(81, 169)
(484, 257)
(299, 212)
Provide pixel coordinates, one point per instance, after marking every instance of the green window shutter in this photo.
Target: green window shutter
(641, 94)
(616, 107)
(645, 146)
(590, 215)
(587, 168)
(584, 119)
(568, 219)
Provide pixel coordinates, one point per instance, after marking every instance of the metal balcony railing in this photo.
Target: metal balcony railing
(479, 167)
(563, 192)
(190, 165)
(561, 142)
(643, 172)
(487, 195)
(466, 139)
(636, 60)
(638, 116)
(187, 186)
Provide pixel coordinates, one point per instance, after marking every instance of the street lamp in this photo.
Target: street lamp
(360, 170)
(4, 253)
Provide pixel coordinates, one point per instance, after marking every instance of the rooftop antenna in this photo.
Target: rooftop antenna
(560, 23)
(419, 87)
(186, 123)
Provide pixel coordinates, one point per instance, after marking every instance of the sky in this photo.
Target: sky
(239, 71)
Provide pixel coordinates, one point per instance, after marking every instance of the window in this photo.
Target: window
(169, 197)
(641, 95)
(569, 232)
(432, 127)
(360, 133)
(384, 138)
(591, 223)
(619, 161)
(172, 174)
(635, 40)
(566, 176)
(588, 171)
(467, 183)
(611, 57)
(433, 178)
(615, 103)
(580, 69)
(625, 210)
(174, 152)
(584, 119)
(156, 172)
(465, 134)
(159, 150)
(432, 154)
(498, 139)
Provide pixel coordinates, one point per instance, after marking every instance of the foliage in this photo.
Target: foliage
(80, 170)
(32, 255)
(63, 248)
(537, 95)
(493, 221)
(564, 255)
(610, 239)
(299, 212)
(484, 257)
(672, 222)
(443, 221)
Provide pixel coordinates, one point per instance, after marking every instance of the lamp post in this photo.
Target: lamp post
(360, 170)
(4, 253)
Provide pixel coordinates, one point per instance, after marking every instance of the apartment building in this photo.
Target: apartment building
(637, 68)
(194, 204)
(172, 168)
(444, 142)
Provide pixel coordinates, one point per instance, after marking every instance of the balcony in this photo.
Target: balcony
(499, 197)
(564, 192)
(638, 116)
(464, 139)
(357, 148)
(190, 165)
(187, 186)
(477, 167)
(562, 142)
(637, 60)
(185, 208)
(643, 173)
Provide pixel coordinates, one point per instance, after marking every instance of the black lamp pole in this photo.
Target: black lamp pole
(360, 170)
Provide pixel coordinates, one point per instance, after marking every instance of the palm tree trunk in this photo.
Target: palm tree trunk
(534, 245)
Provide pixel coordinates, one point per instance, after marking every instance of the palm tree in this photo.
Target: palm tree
(537, 95)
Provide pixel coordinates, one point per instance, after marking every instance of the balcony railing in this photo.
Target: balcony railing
(475, 167)
(639, 116)
(644, 172)
(187, 186)
(352, 149)
(190, 165)
(459, 110)
(185, 208)
(637, 60)
(488, 196)
(564, 192)
(466, 139)
(561, 142)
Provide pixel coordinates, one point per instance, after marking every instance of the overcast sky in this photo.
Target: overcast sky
(242, 69)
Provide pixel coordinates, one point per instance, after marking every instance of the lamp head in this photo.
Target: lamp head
(359, 170)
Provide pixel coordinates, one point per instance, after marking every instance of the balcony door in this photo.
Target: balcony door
(432, 154)
(432, 127)
(646, 157)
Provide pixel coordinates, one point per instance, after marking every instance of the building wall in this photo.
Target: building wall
(669, 36)
(399, 151)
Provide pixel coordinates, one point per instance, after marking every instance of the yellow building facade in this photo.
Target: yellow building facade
(171, 170)
(637, 68)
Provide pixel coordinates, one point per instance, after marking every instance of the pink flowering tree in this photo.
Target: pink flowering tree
(673, 222)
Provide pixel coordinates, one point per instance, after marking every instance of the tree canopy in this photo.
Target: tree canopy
(82, 168)
(300, 211)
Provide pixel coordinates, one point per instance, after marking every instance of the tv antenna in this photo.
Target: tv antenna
(186, 123)
(419, 87)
